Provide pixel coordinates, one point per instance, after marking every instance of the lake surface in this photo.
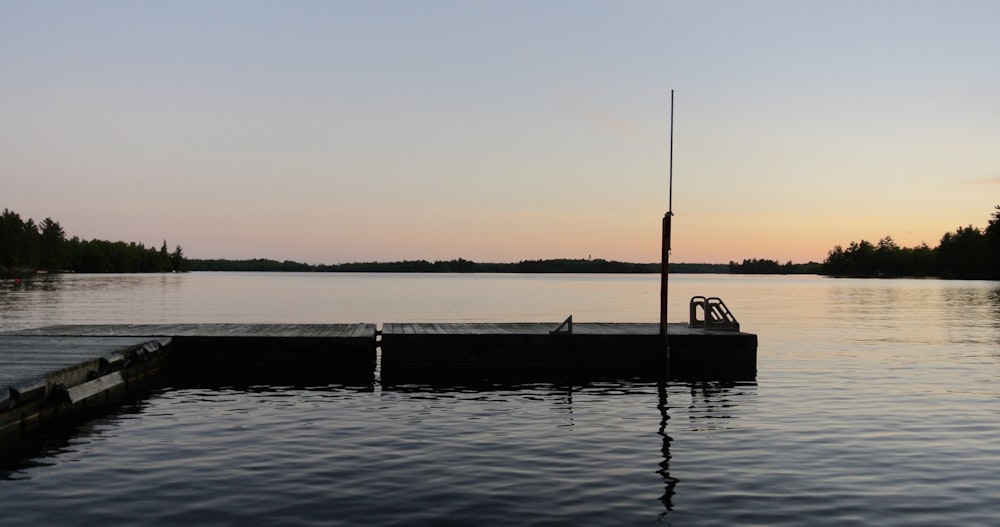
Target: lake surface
(875, 402)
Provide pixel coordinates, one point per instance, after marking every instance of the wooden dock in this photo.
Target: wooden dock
(338, 351)
(42, 377)
(249, 353)
(51, 371)
(54, 372)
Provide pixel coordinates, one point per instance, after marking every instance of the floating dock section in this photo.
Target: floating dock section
(248, 353)
(45, 377)
(483, 349)
(274, 353)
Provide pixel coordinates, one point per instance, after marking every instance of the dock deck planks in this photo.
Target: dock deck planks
(359, 330)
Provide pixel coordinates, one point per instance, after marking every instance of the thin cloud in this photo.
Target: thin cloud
(617, 124)
(581, 105)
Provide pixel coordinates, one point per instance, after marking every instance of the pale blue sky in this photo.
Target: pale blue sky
(497, 131)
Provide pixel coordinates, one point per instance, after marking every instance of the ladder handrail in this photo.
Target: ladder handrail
(716, 314)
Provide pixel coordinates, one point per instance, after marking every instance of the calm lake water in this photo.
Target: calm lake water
(875, 402)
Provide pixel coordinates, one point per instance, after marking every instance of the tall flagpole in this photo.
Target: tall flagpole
(665, 247)
(670, 191)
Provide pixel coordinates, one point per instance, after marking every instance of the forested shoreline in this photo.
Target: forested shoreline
(967, 253)
(27, 247)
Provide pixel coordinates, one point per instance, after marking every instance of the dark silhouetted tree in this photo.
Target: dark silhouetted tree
(961, 254)
(177, 262)
(52, 245)
(991, 251)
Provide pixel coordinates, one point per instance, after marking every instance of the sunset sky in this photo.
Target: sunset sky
(337, 131)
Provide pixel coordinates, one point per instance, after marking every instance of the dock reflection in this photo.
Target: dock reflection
(709, 405)
(581, 405)
(669, 481)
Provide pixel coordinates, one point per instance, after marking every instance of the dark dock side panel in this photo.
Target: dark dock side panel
(277, 353)
(414, 350)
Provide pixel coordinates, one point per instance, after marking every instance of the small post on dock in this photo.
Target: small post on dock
(665, 247)
(664, 268)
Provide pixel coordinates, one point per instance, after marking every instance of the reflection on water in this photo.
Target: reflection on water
(870, 396)
(669, 481)
(994, 300)
(325, 298)
(713, 403)
(55, 443)
(47, 299)
(554, 448)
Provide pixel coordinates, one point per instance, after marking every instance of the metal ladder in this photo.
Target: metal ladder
(715, 314)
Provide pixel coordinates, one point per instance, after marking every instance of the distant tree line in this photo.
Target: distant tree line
(967, 253)
(26, 246)
(755, 266)
(459, 265)
(256, 264)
